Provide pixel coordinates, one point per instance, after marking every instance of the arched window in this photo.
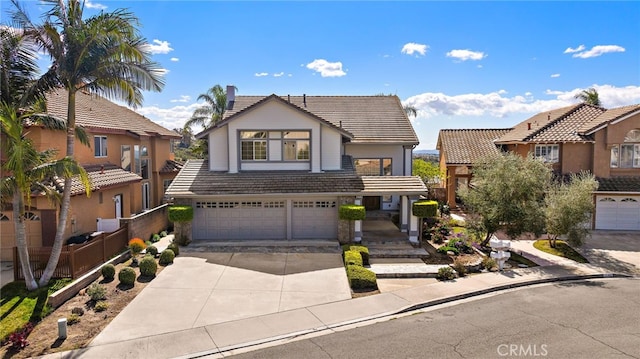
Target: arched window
(632, 136)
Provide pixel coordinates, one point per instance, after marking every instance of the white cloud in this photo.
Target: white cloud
(278, 74)
(598, 50)
(91, 5)
(183, 98)
(411, 48)
(173, 117)
(555, 75)
(464, 55)
(174, 59)
(496, 104)
(577, 49)
(159, 47)
(326, 68)
(289, 75)
(261, 74)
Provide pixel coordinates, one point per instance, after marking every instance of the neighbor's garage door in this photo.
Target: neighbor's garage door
(314, 219)
(240, 220)
(618, 212)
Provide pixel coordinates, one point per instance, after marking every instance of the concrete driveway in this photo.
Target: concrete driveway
(201, 289)
(617, 251)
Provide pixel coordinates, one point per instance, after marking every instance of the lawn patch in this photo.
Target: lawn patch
(562, 249)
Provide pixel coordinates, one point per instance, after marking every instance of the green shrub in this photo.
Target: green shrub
(445, 249)
(364, 251)
(155, 238)
(148, 267)
(180, 213)
(108, 271)
(127, 276)
(166, 257)
(175, 248)
(148, 243)
(352, 258)
(425, 209)
(163, 234)
(77, 311)
(489, 263)
(459, 267)
(101, 306)
(153, 250)
(97, 292)
(352, 212)
(361, 278)
(73, 319)
(445, 273)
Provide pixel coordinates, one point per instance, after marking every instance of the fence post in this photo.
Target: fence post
(72, 262)
(103, 238)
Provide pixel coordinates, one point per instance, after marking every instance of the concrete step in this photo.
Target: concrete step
(265, 246)
(384, 241)
(398, 253)
(405, 270)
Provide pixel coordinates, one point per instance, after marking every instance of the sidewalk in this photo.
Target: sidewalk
(223, 338)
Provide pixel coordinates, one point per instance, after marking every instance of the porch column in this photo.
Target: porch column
(413, 223)
(451, 186)
(357, 237)
(404, 213)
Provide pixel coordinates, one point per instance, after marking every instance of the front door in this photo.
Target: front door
(117, 199)
(371, 203)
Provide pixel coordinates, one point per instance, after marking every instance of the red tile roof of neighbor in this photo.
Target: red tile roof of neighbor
(466, 146)
(171, 166)
(607, 117)
(101, 176)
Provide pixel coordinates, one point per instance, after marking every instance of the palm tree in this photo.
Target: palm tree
(103, 54)
(211, 113)
(411, 111)
(590, 97)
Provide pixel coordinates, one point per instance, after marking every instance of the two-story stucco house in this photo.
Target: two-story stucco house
(571, 139)
(279, 167)
(130, 164)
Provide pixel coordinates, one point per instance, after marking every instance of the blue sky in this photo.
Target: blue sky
(461, 64)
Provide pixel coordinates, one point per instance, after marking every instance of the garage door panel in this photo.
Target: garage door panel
(618, 212)
(315, 219)
(240, 220)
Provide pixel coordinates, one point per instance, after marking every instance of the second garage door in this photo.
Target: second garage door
(314, 219)
(240, 220)
(618, 212)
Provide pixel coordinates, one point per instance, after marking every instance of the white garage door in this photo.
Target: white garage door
(618, 212)
(240, 220)
(314, 219)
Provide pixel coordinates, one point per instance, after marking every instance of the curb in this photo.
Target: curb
(427, 304)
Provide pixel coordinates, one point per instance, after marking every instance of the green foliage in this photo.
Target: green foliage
(166, 257)
(180, 213)
(352, 212)
(508, 194)
(361, 278)
(561, 249)
(152, 250)
(163, 234)
(445, 273)
(148, 243)
(445, 249)
(156, 237)
(127, 276)
(429, 172)
(136, 245)
(148, 267)
(73, 319)
(459, 267)
(101, 306)
(97, 292)
(175, 248)
(425, 209)
(489, 263)
(352, 258)
(569, 206)
(108, 271)
(364, 251)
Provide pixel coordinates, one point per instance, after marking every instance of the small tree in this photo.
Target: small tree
(182, 216)
(429, 172)
(569, 206)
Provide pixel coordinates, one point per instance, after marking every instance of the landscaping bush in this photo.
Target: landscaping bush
(18, 339)
(364, 252)
(361, 278)
(425, 209)
(153, 250)
(155, 238)
(352, 212)
(175, 248)
(148, 243)
(445, 249)
(108, 271)
(101, 306)
(445, 273)
(461, 243)
(166, 257)
(489, 263)
(148, 267)
(78, 311)
(459, 267)
(97, 292)
(180, 213)
(163, 234)
(73, 319)
(352, 258)
(127, 276)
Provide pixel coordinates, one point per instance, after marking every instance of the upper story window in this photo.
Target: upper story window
(627, 155)
(295, 145)
(100, 146)
(254, 145)
(548, 153)
(144, 152)
(373, 166)
(125, 157)
(275, 146)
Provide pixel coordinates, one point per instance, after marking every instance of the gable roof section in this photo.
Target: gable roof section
(96, 112)
(101, 176)
(466, 146)
(367, 119)
(171, 166)
(608, 117)
(559, 125)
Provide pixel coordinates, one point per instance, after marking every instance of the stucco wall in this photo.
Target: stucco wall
(575, 157)
(607, 137)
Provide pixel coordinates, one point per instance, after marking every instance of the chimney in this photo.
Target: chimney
(289, 98)
(528, 125)
(304, 99)
(231, 96)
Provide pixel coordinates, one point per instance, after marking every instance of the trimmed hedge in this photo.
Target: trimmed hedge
(364, 251)
(425, 209)
(148, 267)
(361, 278)
(127, 276)
(166, 257)
(352, 212)
(352, 258)
(108, 271)
(174, 247)
(180, 213)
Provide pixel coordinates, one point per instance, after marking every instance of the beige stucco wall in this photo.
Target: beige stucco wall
(607, 137)
(575, 157)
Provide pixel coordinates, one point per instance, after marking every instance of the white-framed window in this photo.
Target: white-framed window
(625, 156)
(275, 146)
(100, 146)
(125, 157)
(548, 153)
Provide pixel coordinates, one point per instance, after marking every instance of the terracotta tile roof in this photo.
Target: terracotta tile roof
(619, 184)
(96, 112)
(382, 185)
(607, 117)
(171, 166)
(466, 146)
(559, 125)
(101, 177)
(370, 119)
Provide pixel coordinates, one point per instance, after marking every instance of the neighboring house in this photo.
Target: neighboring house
(279, 167)
(571, 139)
(130, 164)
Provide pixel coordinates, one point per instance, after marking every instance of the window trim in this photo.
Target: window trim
(381, 167)
(548, 156)
(277, 137)
(616, 156)
(100, 146)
